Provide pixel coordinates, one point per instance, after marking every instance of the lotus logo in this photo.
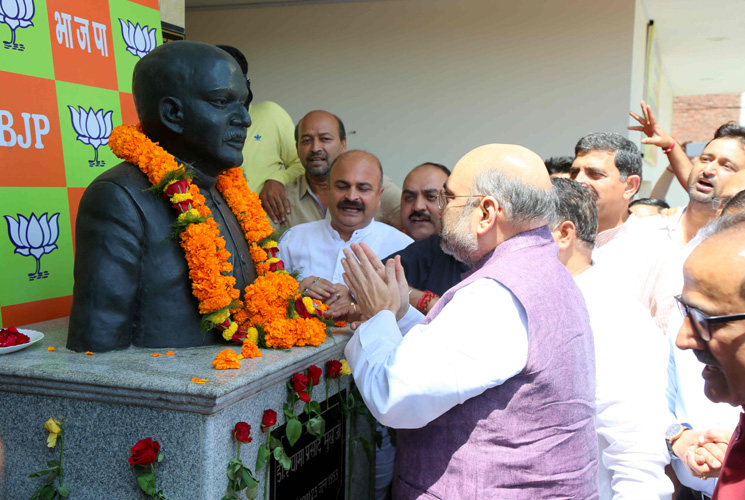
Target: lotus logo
(139, 40)
(16, 14)
(92, 129)
(34, 236)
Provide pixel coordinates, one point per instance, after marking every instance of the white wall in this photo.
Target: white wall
(428, 80)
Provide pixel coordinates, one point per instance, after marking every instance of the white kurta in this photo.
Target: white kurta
(409, 374)
(316, 249)
(631, 357)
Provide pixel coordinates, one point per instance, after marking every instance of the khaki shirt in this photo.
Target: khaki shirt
(304, 207)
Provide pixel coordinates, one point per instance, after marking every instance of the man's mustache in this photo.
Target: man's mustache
(421, 215)
(315, 156)
(351, 204)
(706, 358)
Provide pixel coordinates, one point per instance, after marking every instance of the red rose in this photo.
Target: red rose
(301, 309)
(272, 251)
(333, 368)
(299, 384)
(242, 432)
(277, 266)
(315, 374)
(182, 206)
(145, 452)
(270, 418)
(181, 186)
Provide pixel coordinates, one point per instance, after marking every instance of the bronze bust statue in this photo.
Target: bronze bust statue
(132, 283)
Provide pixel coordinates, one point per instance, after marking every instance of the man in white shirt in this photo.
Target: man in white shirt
(314, 249)
(610, 167)
(489, 405)
(631, 410)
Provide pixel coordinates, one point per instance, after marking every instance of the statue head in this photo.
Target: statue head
(190, 98)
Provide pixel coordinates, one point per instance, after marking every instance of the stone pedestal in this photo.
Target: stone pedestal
(109, 401)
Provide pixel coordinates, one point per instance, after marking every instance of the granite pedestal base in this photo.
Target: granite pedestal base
(109, 401)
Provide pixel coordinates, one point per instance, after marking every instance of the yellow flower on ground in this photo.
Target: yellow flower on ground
(53, 426)
(250, 350)
(345, 368)
(50, 348)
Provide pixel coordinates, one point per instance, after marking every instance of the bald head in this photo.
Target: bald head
(509, 159)
(514, 176)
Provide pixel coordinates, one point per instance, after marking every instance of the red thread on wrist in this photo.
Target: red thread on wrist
(670, 147)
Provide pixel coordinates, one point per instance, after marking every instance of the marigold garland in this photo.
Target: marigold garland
(267, 303)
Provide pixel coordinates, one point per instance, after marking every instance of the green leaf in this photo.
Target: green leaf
(315, 407)
(160, 457)
(63, 491)
(47, 492)
(252, 493)
(316, 426)
(42, 472)
(248, 479)
(274, 442)
(147, 483)
(262, 457)
(281, 457)
(294, 430)
(230, 496)
(289, 412)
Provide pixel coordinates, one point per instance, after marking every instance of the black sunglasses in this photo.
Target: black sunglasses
(701, 321)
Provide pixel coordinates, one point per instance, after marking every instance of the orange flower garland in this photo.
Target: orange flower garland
(266, 301)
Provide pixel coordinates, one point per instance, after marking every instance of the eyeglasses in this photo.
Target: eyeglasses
(701, 321)
(443, 199)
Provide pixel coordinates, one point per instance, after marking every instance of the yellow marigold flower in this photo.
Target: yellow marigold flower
(50, 348)
(53, 426)
(345, 368)
(250, 350)
(309, 306)
(219, 317)
(227, 334)
(170, 353)
(189, 213)
(226, 359)
(179, 197)
(270, 244)
(89, 353)
(156, 355)
(252, 334)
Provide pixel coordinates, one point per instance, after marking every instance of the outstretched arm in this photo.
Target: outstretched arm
(657, 136)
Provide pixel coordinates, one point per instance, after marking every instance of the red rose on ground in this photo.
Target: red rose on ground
(242, 432)
(145, 452)
(299, 384)
(333, 368)
(315, 374)
(270, 418)
(181, 186)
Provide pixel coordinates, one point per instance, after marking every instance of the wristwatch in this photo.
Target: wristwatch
(673, 433)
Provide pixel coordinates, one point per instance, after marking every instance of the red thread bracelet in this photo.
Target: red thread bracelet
(670, 147)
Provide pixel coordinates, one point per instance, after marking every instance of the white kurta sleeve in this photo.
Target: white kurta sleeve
(479, 340)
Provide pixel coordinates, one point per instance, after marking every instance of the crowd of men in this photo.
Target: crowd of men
(509, 372)
(528, 337)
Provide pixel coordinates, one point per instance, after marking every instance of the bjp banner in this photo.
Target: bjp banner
(65, 83)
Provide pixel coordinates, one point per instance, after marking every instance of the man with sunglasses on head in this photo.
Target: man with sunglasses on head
(713, 303)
